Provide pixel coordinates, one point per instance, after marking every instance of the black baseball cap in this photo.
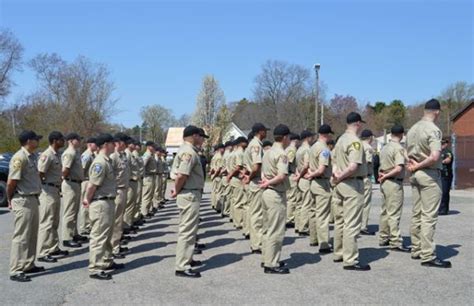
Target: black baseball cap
(433, 104)
(397, 129)
(267, 143)
(294, 136)
(306, 134)
(445, 140)
(137, 142)
(190, 130)
(331, 142)
(150, 143)
(366, 134)
(72, 136)
(353, 117)
(257, 127)
(202, 133)
(55, 135)
(28, 135)
(228, 144)
(325, 129)
(240, 140)
(91, 140)
(121, 137)
(281, 130)
(104, 138)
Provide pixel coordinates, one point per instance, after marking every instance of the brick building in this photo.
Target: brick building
(463, 146)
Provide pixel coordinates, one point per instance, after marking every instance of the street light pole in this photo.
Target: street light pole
(316, 109)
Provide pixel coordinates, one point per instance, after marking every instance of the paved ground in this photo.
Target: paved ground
(231, 275)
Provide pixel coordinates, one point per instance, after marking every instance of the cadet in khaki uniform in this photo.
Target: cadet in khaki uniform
(138, 218)
(189, 183)
(306, 199)
(348, 171)
(226, 196)
(73, 175)
(253, 157)
(367, 137)
(100, 195)
(320, 171)
(234, 178)
(121, 166)
(391, 174)
(166, 171)
(86, 158)
(49, 167)
(149, 165)
(216, 167)
(128, 217)
(275, 184)
(293, 194)
(23, 189)
(424, 151)
(157, 198)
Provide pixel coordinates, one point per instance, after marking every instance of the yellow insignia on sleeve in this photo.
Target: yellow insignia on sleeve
(356, 145)
(67, 157)
(186, 157)
(16, 164)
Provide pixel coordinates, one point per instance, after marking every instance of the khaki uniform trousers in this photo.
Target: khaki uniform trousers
(147, 194)
(321, 209)
(367, 203)
(71, 201)
(274, 226)
(188, 202)
(84, 220)
(130, 208)
(215, 186)
(303, 214)
(102, 214)
(392, 197)
(426, 191)
(25, 234)
(239, 199)
(245, 212)
(165, 186)
(120, 203)
(157, 197)
(49, 214)
(348, 198)
(255, 216)
(226, 199)
(138, 203)
(293, 200)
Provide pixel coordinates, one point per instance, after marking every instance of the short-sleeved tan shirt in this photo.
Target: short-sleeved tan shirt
(423, 138)
(159, 164)
(71, 159)
(320, 155)
(236, 160)
(392, 155)
(102, 175)
(134, 166)
(253, 155)
(141, 168)
(188, 163)
(87, 158)
(302, 157)
(291, 153)
(275, 162)
(23, 169)
(149, 163)
(49, 163)
(369, 154)
(121, 166)
(348, 150)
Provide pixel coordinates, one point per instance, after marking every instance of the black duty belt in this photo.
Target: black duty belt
(361, 178)
(191, 189)
(103, 198)
(52, 185)
(132, 180)
(26, 195)
(74, 181)
(150, 174)
(395, 179)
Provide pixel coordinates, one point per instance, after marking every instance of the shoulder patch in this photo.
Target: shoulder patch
(255, 149)
(98, 168)
(437, 134)
(85, 158)
(326, 153)
(356, 145)
(186, 157)
(43, 157)
(16, 164)
(284, 159)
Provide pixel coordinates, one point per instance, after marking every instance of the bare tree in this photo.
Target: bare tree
(454, 97)
(157, 120)
(11, 52)
(209, 100)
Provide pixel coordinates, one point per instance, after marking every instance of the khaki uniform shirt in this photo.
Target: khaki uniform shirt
(392, 155)
(291, 153)
(302, 156)
(23, 169)
(86, 159)
(159, 165)
(369, 154)
(166, 168)
(50, 164)
(225, 159)
(253, 156)
(320, 155)
(149, 163)
(275, 162)
(422, 138)
(71, 160)
(121, 166)
(236, 160)
(188, 163)
(141, 168)
(134, 166)
(348, 150)
(102, 175)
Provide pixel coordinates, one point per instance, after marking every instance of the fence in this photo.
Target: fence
(463, 151)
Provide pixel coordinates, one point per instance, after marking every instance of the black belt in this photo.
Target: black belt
(150, 174)
(52, 185)
(195, 189)
(132, 180)
(74, 181)
(395, 179)
(103, 198)
(361, 178)
(26, 195)
(321, 178)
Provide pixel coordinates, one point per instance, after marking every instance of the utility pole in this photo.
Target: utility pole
(316, 108)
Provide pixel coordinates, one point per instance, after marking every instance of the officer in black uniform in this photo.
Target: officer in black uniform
(446, 176)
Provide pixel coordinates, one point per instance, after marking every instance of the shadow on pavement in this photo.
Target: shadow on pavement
(210, 224)
(369, 255)
(211, 233)
(82, 264)
(150, 235)
(155, 227)
(148, 247)
(140, 262)
(448, 251)
(288, 240)
(300, 259)
(4, 211)
(222, 260)
(220, 242)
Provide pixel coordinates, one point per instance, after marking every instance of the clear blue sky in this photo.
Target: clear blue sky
(158, 51)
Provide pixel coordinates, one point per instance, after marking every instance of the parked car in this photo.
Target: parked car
(4, 164)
